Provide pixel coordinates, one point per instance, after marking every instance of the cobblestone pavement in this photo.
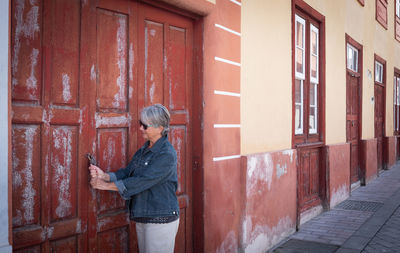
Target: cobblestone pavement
(388, 237)
(367, 222)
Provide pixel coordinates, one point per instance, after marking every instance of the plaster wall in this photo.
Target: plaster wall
(266, 76)
(4, 127)
(270, 199)
(338, 167)
(369, 165)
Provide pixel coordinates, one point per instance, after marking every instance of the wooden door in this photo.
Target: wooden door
(49, 172)
(379, 122)
(353, 93)
(143, 56)
(82, 71)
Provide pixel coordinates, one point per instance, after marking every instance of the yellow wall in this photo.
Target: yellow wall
(266, 76)
(266, 84)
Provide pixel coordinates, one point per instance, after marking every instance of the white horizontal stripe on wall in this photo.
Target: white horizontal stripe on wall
(226, 125)
(227, 61)
(236, 2)
(226, 93)
(227, 29)
(221, 158)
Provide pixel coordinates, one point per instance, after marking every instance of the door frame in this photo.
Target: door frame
(384, 84)
(359, 47)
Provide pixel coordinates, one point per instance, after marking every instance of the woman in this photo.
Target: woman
(148, 183)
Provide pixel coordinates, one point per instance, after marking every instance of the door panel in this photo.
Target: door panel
(352, 123)
(379, 123)
(309, 178)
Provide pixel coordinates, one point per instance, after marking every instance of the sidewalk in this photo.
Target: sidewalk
(368, 221)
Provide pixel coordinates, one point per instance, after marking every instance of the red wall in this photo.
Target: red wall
(369, 166)
(390, 148)
(338, 168)
(269, 199)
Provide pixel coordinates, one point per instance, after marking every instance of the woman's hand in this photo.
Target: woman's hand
(100, 184)
(96, 172)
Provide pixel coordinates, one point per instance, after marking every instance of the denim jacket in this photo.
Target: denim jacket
(150, 181)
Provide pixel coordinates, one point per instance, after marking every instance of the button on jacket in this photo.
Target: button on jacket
(150, 181)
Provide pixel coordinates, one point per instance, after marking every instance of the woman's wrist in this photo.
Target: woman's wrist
(106, 177)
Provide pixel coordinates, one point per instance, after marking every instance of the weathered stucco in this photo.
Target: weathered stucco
(269, 202)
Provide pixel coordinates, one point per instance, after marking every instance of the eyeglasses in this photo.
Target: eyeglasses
(144, 125)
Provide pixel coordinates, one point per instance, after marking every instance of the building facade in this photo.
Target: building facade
(278, 110)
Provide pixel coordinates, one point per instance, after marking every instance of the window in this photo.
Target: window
(306, 83)
(352, 58)
(378, 72)
(381, 12)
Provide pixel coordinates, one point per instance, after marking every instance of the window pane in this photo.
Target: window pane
(314, 60)
(314, 42)
(398, 91)
(299, 60)
(398, 8)
(312, 94)
(355, 61)
(300, 31)
(298, 119)
(298, 91)
(378, 72)
(312, 120)
(350, 58)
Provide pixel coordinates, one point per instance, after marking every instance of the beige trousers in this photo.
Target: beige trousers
(156, 238)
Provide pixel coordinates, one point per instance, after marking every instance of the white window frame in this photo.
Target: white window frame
(303, 22)
(316, 30)
(378, 69)
(354, 52)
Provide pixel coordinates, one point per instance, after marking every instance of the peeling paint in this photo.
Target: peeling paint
(289, 153)
(118, 120)
(62, 141)
(339, 195)
(131, 61)
(259, 170)
(177, 143)
(66, 82)
(230, 244)
(25, 174)
(281, 170)
(121, 42)
(109, 154)
(78, 229)
(93, 73)
(31, 82)
(152, 32)
(262, 237)
(27, 29)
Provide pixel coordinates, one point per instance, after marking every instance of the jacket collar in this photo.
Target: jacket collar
(157, 146)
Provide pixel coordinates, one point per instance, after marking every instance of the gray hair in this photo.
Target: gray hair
(156, 115)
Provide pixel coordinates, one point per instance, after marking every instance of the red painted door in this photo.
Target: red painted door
(379, 122)
(82, 71)
(352, 122)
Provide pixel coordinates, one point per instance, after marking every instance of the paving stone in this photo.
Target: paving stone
(298, 246)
